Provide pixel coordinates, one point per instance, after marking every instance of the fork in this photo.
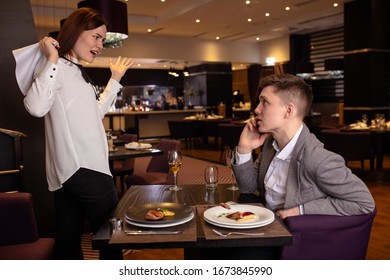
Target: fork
(225, 234)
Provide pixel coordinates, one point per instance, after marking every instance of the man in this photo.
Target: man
(294, 173)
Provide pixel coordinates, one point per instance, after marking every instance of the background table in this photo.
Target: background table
(123, 153)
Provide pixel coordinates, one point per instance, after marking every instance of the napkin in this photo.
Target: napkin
(28, 59)
(358, 125)
(137, 145)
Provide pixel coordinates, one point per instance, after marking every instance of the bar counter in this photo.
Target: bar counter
(147, 124)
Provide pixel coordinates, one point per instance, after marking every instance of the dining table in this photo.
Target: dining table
(194, 233)
(121, 152)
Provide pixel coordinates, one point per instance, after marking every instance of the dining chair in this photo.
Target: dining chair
(189, 130)
(11, 160)
(328, 237)
(124, 167)
(19, 237)
(351, 145)
(230, 135)
(211, 129)
(157, 170)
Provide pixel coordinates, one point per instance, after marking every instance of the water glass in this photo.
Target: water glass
(211, 177)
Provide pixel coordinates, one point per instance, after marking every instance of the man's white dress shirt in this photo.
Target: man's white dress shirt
(275, 180)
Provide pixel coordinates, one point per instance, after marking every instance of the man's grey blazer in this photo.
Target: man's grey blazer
(317, 179)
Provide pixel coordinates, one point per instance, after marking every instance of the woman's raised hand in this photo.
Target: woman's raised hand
(119, 68)
(48, 47)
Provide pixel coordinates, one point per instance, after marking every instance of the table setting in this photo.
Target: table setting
(378, 122)
(136, 228)
(190, 228)
(137, 146)
(217, 226)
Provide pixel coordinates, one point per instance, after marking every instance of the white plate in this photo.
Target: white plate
(137, 146)
(183, 221)
(217, 216)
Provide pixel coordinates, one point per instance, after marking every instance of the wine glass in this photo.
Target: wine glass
(364, 118)
(174, 162)
(229, 156)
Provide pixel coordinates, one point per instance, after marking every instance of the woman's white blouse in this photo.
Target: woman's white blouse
(74, 131)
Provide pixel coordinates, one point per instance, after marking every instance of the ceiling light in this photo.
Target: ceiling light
(247, 2)
(267, 14)
(149, 30)
(335, 4)
(197, 20)
(217, 37)
(249, 19)
(257, 38)
(287, 8)
(115, 12)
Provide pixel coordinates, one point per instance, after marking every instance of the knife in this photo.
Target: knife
(146, 232)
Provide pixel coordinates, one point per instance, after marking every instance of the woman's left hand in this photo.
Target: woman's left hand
(119, 68)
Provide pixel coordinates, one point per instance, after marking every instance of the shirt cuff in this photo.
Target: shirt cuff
(241, 158)
(301, 209)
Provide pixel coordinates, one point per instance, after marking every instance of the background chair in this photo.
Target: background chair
(211, 129)
(327, 237)
(350, 145)
(124, 167)
(230, 135)
(19, 238)
(11, 160)
(157, 170)
(189, 130)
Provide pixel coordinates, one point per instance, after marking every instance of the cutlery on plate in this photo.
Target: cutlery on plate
(225, 234)
(155, 232)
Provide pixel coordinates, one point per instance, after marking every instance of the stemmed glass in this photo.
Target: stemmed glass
(174, 162)
(364, 118)
(229, 157)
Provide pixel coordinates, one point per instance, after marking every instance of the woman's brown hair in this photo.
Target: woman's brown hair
(80, 20)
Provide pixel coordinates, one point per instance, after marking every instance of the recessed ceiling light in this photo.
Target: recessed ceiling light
(335, 4)
(257, 38)
(149, 30)
(247, 2)
(287, 8)
(217, 37)
(249, 19)
(162, 0)
(139, 64)
(197, 20)
(267, 14)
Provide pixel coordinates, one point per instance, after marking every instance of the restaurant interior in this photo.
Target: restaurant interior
(194, 86)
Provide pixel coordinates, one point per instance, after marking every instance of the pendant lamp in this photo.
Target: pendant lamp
(115, 12)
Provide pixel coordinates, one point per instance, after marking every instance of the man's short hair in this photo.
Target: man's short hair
(290, 89)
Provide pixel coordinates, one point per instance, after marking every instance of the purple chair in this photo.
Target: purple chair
(19, 238)
(157, 171)
(326, 237)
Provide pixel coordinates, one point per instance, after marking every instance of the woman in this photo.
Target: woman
(76, 147)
